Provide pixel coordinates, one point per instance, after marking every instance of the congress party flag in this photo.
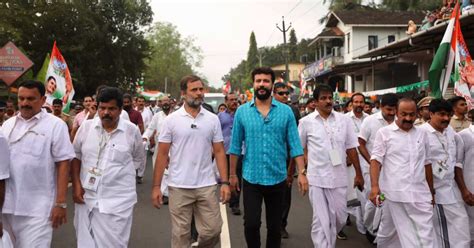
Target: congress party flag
(58, 81)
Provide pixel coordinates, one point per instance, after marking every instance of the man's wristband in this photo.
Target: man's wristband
(224, 183)
(233, 176)
(60, 205)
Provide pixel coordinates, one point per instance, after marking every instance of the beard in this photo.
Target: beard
(263, 96)
(358, 109)
(166, 107)
(127, 108)
(194, 103)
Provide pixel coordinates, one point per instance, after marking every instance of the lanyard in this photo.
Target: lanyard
(104, 140)
(445, 149)
(329, 132)
(29, 130)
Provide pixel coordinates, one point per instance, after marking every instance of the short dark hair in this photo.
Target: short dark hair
(438, 105)
(127, 96)
(263, 70)
(310, 100)
(389, 99)
(183, 84)
(58, 101)
(99, 88)
(319, 89)
(405, 99)
(226, 95)
(32, 84)
(141, 97)
(51, 77)
(454, 100)
(279, 85)
(108, 94)
(357, 94)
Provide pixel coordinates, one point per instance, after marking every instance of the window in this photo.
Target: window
(373, 42)
(348, 43)
(391, 38)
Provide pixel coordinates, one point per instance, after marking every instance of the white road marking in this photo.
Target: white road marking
(225, 235)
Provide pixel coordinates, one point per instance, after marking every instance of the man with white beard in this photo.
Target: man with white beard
(451, 222)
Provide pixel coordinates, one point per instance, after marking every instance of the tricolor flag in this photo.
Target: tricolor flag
(443, 61)
(226, 89)
(58, 80)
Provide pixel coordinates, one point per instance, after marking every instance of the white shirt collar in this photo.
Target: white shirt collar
(120, 126)
(183, 112)
(34, 117)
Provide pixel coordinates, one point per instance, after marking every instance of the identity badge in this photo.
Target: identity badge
(440, 169)
(91, 182)
(335, 157)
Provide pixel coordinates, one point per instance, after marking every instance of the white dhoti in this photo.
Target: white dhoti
(164, 184)
(26, 231)
(470, 213)
(329, 214)
(95, 229)
(451, 225)
(406, 225)
(142, 166)
(371, 222)
(354, 202)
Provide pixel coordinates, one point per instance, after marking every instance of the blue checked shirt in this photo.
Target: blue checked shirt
(267, 142)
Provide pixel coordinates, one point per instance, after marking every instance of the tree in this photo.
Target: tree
(293, 47)
(109, 33)
(411, 4)
(341, 4)
(171, 57)
(252, 54)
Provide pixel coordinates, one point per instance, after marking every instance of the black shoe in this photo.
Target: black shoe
(165, 200)
(139, 180)
(235, 210)
(370, 237)
(341, 235)
(284, 233)
(348, 221)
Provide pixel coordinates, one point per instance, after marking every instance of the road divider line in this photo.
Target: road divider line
(225, 235)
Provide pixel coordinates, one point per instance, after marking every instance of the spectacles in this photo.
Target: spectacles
(281, 93)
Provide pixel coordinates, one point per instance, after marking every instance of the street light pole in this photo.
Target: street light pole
(284, 30)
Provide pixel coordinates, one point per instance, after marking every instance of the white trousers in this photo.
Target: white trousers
(95, 229)
(142, 166)
(329, 214)
(27, 232)
(406, 225)
(470, 213)
(451, 225)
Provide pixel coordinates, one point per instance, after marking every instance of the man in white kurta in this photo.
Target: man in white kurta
(107, 150)
(40, 150)
(465, 174)
(367, 133)
(402, 153)
(328, 136)
(451, 222)
(4, 170)
(357, 116)
(153, 130)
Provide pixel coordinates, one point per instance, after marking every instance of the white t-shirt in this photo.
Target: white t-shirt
(466, 156)
(403, 156)
(320, 136)
(191, 141)
(5, 158)
(368, 130)
(35, 144)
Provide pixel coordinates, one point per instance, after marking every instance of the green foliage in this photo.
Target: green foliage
(252, 54)
(293, 46)
(171, 56)
(103, 42)
(411, 4)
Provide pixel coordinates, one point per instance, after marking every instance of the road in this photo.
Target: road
(151, 227)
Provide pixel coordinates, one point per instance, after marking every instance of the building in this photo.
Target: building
(294, 70)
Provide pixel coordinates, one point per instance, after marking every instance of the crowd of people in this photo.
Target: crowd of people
(403, 170)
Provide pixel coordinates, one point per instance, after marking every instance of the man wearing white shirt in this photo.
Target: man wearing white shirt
(357, 116)
(451, 222)
(369, 128)
(103, 175)
(4, 172)
(40, 150)
(154, 130)
(464, 174)
(401, 157)
(187, 141)
(328, 136)
(146, 113)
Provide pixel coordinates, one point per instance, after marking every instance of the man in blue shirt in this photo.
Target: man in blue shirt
(268, 129)
(226, 119)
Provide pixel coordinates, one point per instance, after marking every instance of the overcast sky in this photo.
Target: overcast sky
(222, 27)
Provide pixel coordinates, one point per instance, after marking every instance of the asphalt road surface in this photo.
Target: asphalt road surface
(151, 227)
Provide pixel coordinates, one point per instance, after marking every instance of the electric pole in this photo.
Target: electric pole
(285, 48)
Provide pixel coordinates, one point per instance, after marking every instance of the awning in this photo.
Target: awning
(422, 40)
(399, 89)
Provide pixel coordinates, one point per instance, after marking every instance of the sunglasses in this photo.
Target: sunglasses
(281, 93)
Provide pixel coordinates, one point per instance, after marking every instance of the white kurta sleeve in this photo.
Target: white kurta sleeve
(5, 158)
(351, 137)
(380, 148)
(459, 150)
(79, 140)
(151, 128)
(61, 147)
(303, 133)
(138, 152)
(365, 130)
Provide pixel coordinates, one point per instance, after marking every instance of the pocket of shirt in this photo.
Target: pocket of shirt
(33, 144)
(119, 153)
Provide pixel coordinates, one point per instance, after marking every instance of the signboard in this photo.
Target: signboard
(13, 63)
